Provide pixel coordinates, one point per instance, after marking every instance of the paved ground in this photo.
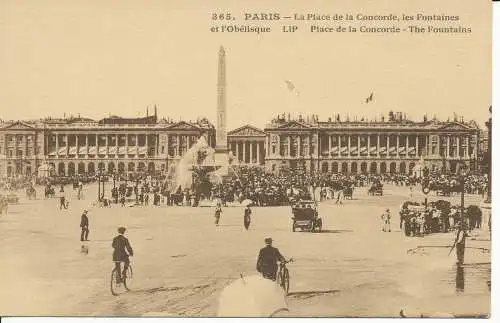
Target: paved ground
(183, 261)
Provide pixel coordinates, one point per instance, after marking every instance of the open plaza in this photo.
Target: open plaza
(182, 260)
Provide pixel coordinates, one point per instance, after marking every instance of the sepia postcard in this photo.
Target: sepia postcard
(166, 158)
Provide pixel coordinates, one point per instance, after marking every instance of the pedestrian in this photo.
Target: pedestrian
(386, 221)
(84, 224)
(460, 243)
(62, 199)
(246, 218)
(218, 211)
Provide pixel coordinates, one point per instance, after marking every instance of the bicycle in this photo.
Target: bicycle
(116, 285)
(283, 278)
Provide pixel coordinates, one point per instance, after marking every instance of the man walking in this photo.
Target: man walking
(62, 199)
(84, 224)
(386, 221)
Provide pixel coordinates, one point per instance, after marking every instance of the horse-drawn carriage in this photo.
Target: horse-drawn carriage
(376, 189)
(347, 191)
(31, 193)
(305, 216)
(50, 191)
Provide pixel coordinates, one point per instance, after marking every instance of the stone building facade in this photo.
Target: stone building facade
(80, 146)
(393, 146)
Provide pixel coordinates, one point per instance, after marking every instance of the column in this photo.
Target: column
(67, 144)
(238, 150)
(458, 142)
(188, 141)
(289, 144)
(387, 144)
(96, 146)
(244, 151)
(407, 145)
(250, 146)
(77, 148)
(416, 146)
(107, 144)
(348, 145)
(299, 150)
(136, 146)
(87, 146)
(339, 144)
(359, 145)
(258, 153)
(427, 145)
(57, 144)
(467, 147)
(438, 145)
(177, 149)
(330, 145)
(378, 145)
(448, 146)
(368, 147)
(397, 145)
(167, 139)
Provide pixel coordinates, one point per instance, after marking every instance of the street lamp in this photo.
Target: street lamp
(463, 173)
(99, 185)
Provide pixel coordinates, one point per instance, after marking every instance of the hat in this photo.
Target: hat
(268, 240)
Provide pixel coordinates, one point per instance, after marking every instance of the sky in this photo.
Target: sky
(101, 58)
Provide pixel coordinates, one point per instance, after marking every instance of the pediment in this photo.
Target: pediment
(294, 125)
(247, 131)
(183, 125)
(454, 126)
(18, 125)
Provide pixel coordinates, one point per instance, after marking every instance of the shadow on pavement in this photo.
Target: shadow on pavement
(309, 294)
(334, 231)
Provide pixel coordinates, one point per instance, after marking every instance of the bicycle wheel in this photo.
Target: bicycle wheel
(286, 281)
(279, 278)
(115, 286)
(127, 281)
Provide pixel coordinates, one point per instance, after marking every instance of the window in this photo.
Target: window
(162, 149)
(19, 153)
(11, 153)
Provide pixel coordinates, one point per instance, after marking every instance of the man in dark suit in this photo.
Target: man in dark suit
(84, 224)
(122, 251)
(267, 263)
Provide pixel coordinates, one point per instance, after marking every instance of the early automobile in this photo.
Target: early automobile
(305, 216)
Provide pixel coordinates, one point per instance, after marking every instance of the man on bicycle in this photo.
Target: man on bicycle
(120, 244)
(267, 263)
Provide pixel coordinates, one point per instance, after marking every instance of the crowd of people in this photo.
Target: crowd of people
(246, 183)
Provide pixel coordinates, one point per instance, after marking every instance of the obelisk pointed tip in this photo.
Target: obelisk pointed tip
(221, 50)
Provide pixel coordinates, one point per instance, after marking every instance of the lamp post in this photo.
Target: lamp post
(463, 173)
(99, 185)
(115, 193)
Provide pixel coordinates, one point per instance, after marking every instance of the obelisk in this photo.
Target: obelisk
(221, 150)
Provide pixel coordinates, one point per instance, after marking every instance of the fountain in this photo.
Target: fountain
(198, 162)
